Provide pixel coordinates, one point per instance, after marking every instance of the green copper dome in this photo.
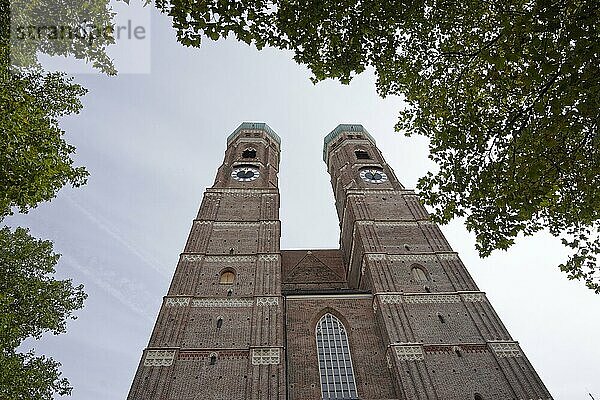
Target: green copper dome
(255, 126)
(341, 128)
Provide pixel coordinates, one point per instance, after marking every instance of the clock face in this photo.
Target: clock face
(245, 173)
(373, 175)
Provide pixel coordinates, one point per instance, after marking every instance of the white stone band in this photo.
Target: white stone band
(265, 356)
(159, 358)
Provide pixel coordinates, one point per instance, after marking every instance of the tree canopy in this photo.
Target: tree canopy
(31, 302)
(35, 162)
(35, 159)
(507, 92)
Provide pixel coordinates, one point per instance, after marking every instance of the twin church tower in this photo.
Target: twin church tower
(391, 315)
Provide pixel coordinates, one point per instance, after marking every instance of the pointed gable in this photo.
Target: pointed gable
(312, 266)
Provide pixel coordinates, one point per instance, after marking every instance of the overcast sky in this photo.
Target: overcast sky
(152, 143)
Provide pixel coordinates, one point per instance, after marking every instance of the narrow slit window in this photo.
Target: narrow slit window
(335, 363)
(219, 323)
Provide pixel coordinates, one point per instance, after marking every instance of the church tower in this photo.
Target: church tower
(392, 314)
(219, 333)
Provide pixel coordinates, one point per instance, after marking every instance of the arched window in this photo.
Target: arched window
(227, 278)
(249, 153)
(418, 274)
(213, 358)
(219, 322)
(335, 364)
(442, 319)
(478, 396)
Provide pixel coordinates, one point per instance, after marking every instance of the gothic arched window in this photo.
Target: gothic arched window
(227, 278)
(418, 274)
(335, 364)
(249, 153)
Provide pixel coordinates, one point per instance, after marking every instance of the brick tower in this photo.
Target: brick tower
(392, 314)
(219, 333)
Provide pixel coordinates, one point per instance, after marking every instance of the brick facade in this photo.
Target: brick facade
(417, 326)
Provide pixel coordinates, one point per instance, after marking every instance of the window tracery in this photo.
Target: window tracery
(335, 363)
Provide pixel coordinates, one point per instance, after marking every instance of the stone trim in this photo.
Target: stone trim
(200, 355)
(267, 301)
(376, 256)
(177, 301)
(360, 192)
(251, 139)
(268, 257)
(408, 351)
(253, 162)
(229, 259)
(430, 298)
(328, 296)
(411, 223)
(405, 223)
(159, 358)
(235, 223)
(375, 163)
(506, 349)
(226, 223)
(181, 301)
(411, 257)
(221, 191)
(192, 257)
(222, 302)
(244, 195)
(425, 298)
(448, 256)
(268, 356)
(472, 297)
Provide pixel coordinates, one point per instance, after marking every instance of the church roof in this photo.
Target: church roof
(341, 128)
(261, 126)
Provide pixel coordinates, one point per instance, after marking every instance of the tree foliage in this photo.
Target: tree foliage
(35, 159)
(82, 30)
(35, 162)
(32, 302)
(507, 92)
